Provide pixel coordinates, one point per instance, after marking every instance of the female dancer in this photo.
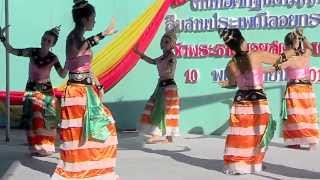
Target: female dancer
(161, 113)
(88, 133)
(299, 110)
(39, 106)
(251, 127)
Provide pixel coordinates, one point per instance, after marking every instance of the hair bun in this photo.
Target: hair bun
(222, 31)
(78, 4)
(55, 30)
(78, 1)
(172, 33)
(226, 34)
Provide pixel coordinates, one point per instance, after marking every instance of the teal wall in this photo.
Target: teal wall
(204, 105)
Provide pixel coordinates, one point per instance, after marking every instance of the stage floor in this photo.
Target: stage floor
(191, 157)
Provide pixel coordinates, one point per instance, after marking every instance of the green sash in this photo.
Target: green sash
(49, 112)
(95, 119)
(268, 133)
(284, 112)
(158, 112)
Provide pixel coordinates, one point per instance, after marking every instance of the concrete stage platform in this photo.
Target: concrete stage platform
(191, 157)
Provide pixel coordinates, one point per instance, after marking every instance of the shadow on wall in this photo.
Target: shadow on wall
(127, 113)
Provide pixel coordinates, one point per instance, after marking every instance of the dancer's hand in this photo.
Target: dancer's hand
(298, 32)
(296, 43)
(101, 93)
(111, 29)
(226, 84)
(137, 51)
(223, 83)
(2, 30)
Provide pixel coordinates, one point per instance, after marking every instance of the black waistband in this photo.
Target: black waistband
(80, 78)
(86, 81)
(299, 81)
(41, 87)
(250, 95)
(167, 82)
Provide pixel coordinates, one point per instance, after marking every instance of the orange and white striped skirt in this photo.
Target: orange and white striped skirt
(170, 114)
(92, 160)
(40, 135)
(247, 125)
(301, 125)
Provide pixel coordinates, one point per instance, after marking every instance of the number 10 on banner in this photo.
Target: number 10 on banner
(192, 76)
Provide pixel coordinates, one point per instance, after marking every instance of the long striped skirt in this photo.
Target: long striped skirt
(301, 125)
(39, 117)
(161, 113)
(248, 124)
(79, 159)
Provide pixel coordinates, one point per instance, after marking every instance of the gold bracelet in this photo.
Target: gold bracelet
(277, 66)
(283, 57)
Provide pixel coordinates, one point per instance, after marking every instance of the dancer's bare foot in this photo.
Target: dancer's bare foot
(168, 140)
(312, 147)
(152, 140)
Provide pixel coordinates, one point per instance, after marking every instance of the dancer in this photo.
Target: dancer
(161, 113)
(39, 105)
(88, 133)
(251, 127)
(299, 111)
